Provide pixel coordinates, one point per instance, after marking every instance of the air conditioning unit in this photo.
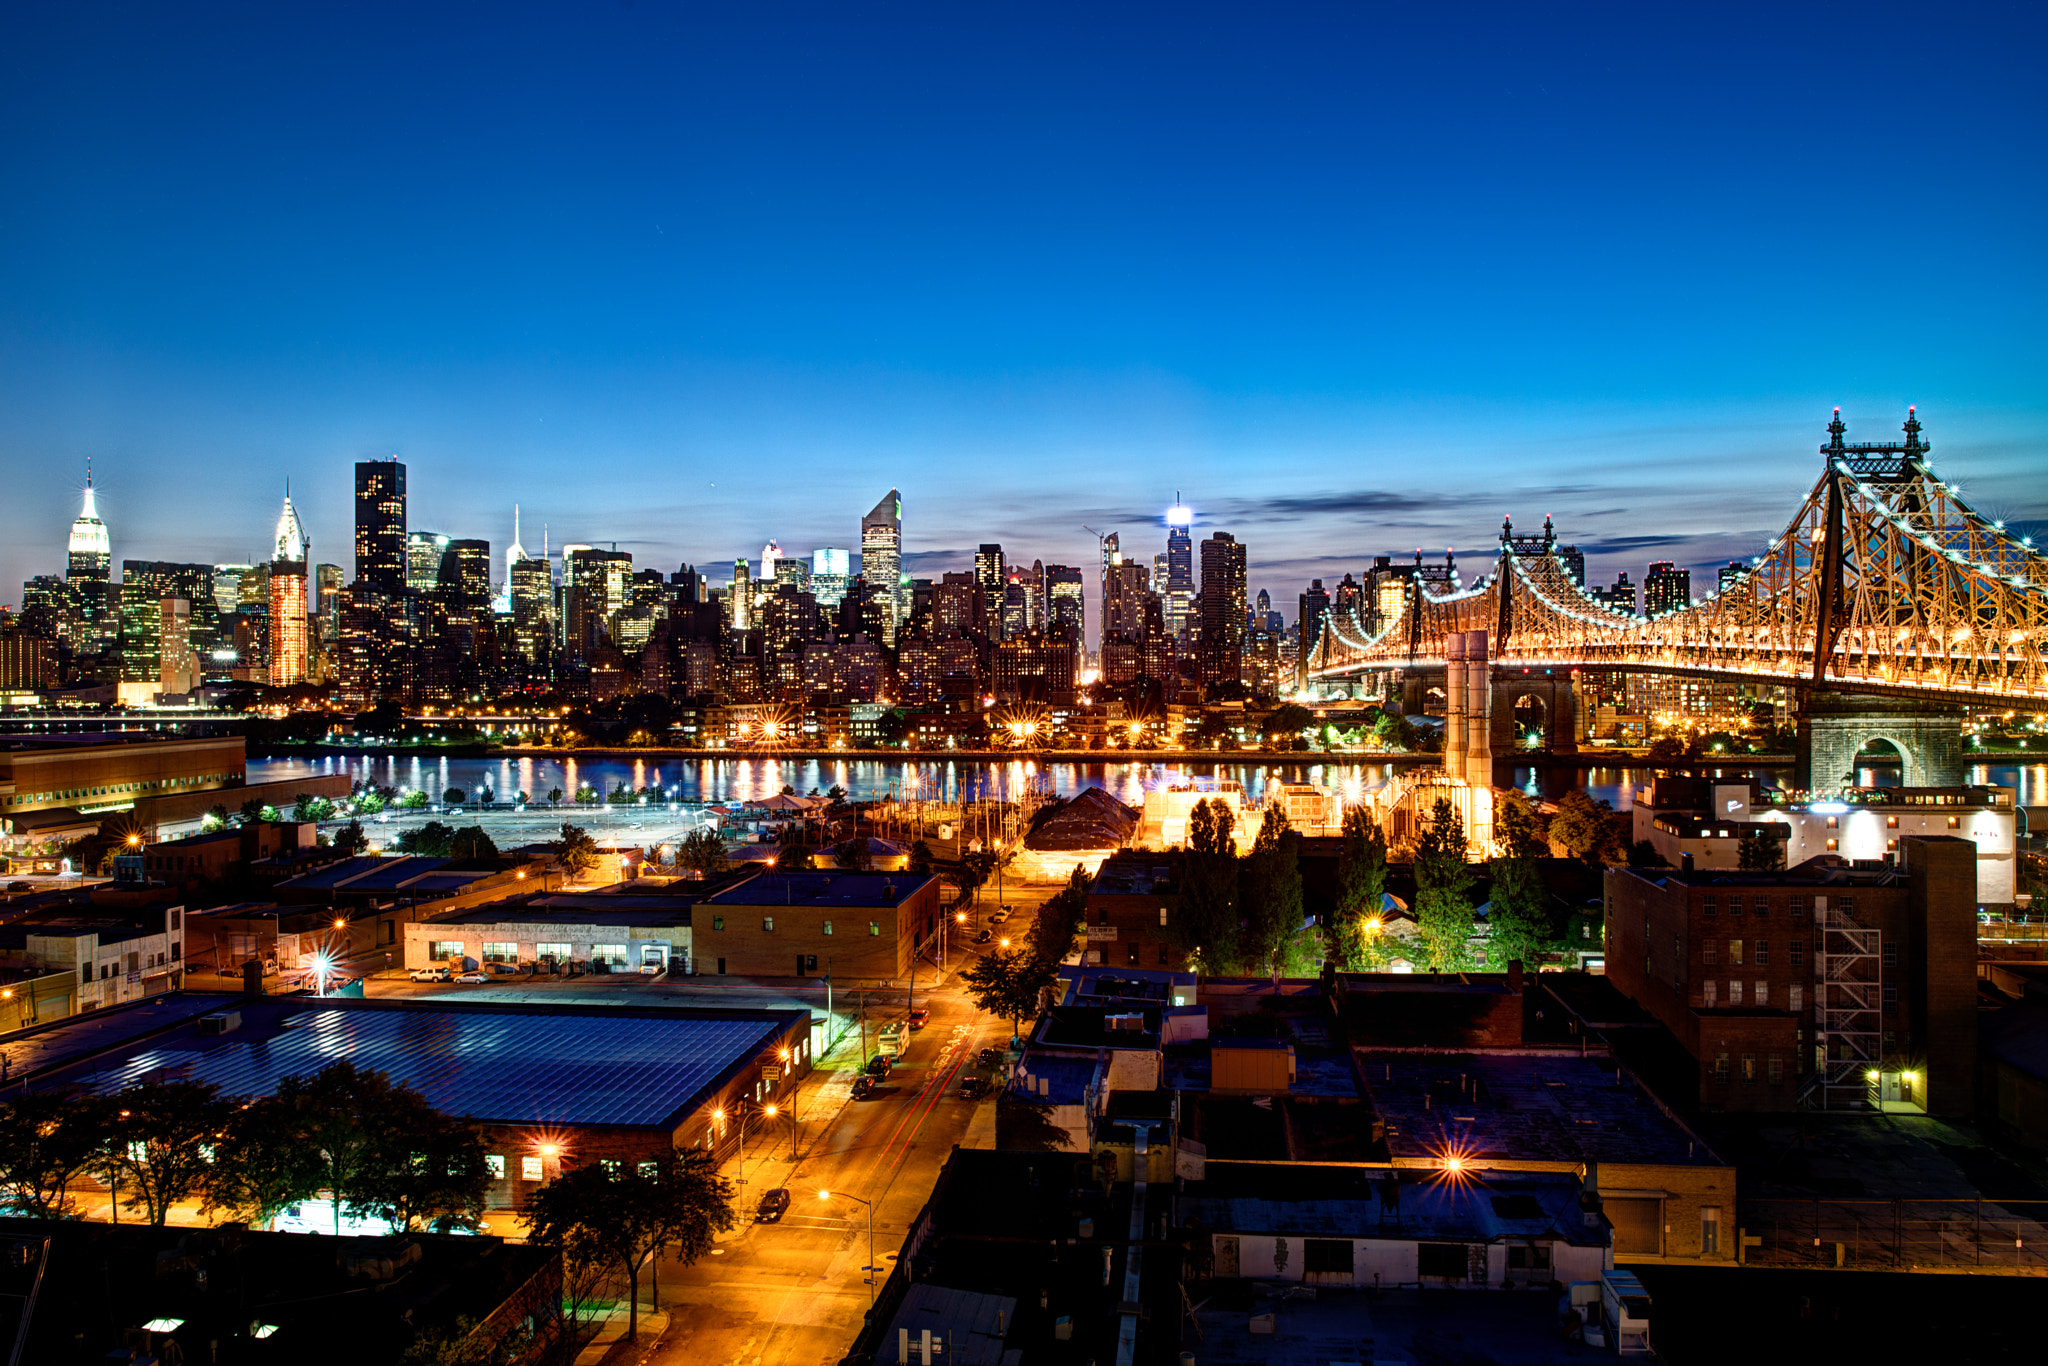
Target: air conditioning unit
(221, 1022)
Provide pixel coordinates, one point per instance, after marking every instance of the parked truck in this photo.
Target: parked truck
(1612, 1312)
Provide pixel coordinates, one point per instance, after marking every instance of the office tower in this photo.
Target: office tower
(531, 588)
(791, 571)
(1111, 548)
(1223, 585)
(881, 563)
(178, 671)
(44, 603)
(287, 654)
(1666, 588)
(1573, 559)
(465, 574)
(1065, 612)
(423, 552)
(764, 580)
(515, 552)
(1314, 611)
(1178, 590)
(88, 573)
(593, 588)
(381, 547)
(742, 596)
(831, 568)
(989, 582)
(138, 634)
(1621, 596)
(1125, 587)
(1731, 574)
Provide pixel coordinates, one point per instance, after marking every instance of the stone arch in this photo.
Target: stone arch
(1529, 714)
(1835, 729)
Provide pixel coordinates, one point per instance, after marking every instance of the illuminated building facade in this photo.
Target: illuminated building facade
(1221, 649)
(881, 563)
(1177, 591)
(89, 561)
(287, 654)
(381, 548)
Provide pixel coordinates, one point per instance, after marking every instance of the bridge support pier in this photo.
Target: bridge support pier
(1550, 691)
(1834, 726)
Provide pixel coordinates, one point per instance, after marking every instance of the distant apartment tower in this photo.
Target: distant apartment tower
(178, 669)
(881, 563)
(1731, 574)
(1315, 610)
(1621, 595)
(1574, 561)
(1065, 611)
(1666, 588)
(1223, 609)
(380, 525)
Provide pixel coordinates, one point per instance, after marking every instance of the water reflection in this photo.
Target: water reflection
(750, 778)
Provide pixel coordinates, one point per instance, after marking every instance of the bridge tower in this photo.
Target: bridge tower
(1835, 726)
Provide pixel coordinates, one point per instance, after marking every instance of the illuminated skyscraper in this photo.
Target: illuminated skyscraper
(881, 563)
(831, 569)
(380, 525)
(1177, 592)
(88, 571)
(1666, 588)
(287, 655)
(989, 583)
(742, 596)
(423, 552)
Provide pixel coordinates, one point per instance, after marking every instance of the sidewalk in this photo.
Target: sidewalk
(820, 1098)
(612, 1332)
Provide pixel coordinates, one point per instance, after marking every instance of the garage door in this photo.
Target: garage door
(1638, 1224)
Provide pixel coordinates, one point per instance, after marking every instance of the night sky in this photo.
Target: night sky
(1355, 278)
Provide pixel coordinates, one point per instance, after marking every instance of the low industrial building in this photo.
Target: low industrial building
(549, 1086)
(95, 773)
(216, 855)
(626, 928)
(1387, 1228)
(106, 954)
(809, 922)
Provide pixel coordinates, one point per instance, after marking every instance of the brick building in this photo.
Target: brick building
(1130, 914)
(806, 922)
(1829, 983)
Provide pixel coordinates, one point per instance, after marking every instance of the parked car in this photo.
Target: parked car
(973, 1087)
(920, 1017)
(774, 1204)
(989, 1057)
(501, 969)
(434, 974)
(999, 917)
(863, 1086)
(984, 937)
(880, 1065)
(650, 969)
(19, 887)
(478, 976)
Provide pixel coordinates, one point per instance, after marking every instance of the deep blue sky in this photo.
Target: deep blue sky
(1355, 278)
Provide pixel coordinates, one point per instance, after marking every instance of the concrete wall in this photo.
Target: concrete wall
(1942, 939)
(1390, 1262)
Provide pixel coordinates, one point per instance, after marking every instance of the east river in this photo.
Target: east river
(696, 780)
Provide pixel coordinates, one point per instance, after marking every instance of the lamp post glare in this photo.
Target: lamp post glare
(870, 1268)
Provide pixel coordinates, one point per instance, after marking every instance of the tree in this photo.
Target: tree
(554, 796)
(1026, 1126)
(1060, 920)
(1519, 917)
(1287, 721)
(1207, 920)
(1273, 903)
(351, 839)
(1515, 825)
(1759, 851)
(160, 1140)
(431, 839)
(702, 850)
(415, 800)
(434, 1175)
(47, 1140)
(921, 859)
(598, 1216)
(1578, 826)
(454, 796)
(1443, 889)
(252, 811)
(216, 817)
(792, 856)
(1008, 984)
(486, 794)
(576, 851)
(1361, 889)
(852, 853)
(472, 843)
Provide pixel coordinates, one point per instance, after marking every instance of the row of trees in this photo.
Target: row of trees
(1244, 915)
(379, 1148)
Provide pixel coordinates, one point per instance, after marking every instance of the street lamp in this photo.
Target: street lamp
(870, 1267)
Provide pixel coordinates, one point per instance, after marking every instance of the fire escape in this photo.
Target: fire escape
(1848, 1024)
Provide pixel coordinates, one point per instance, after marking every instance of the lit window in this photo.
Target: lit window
(875, 928)
(768, 922)
(1749, 1067)
(1734, 953)
(1763, 993)
(1734, 992)
(1795, 998)
(828, 927)
(494, 1166)
(530, 1169)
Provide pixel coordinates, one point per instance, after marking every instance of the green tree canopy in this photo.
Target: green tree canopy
(48, 1139)
(1206, 923)
(1273, 915)
(1009, 984)
(1443, 889)
(576, 851)
(1759, 851)
(702, 850)
(600, 1216)
(1058, 927)
(351, 839)
(1361, 886)
(162, 1135)
(433, 838)
(472, 843)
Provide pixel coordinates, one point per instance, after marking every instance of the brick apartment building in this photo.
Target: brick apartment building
(1836, 984)
(1130, 913)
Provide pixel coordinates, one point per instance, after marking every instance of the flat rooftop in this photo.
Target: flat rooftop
(670, 913)
(583, 1066)
(821, 887)
(1344, 1202)
(1523, 1106)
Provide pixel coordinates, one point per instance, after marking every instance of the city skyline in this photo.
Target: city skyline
(1038, 283)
